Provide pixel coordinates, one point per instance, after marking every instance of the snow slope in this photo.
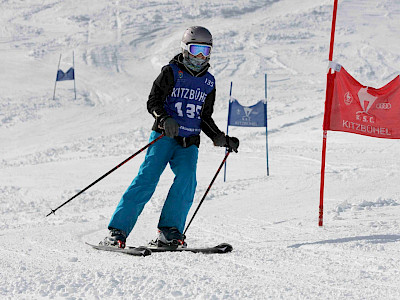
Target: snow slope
(51, 149)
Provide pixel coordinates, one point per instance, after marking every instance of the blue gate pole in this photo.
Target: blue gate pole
(55, 83)
(227, 125)
(266, 123)
(73, 65)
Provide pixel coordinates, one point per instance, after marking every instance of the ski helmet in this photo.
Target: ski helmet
(196, 35)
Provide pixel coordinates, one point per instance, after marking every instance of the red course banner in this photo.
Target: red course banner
(355, 108)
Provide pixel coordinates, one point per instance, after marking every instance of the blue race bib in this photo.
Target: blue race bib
(186, 100)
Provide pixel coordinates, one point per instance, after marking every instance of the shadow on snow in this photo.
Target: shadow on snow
(372, 239)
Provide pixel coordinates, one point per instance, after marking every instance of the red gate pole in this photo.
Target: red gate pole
(328, 89)
(321, 192)
(333, 30)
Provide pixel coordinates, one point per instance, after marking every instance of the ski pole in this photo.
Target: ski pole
(106, 174)
(209, 187)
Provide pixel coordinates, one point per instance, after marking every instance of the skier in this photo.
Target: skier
(182, 102)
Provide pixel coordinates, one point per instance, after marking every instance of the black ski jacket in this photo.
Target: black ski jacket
(162, 87)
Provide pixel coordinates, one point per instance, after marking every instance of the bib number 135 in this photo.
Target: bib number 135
(192, 110)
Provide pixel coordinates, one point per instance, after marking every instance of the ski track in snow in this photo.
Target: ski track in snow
(51, 149)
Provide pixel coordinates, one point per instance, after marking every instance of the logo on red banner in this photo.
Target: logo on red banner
(366, 99)
(384, 106)
(348, 98)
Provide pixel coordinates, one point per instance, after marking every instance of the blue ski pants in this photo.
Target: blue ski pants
(183, 163)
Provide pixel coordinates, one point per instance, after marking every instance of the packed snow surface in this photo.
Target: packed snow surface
(51, 149)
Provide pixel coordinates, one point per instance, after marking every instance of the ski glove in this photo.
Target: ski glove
(171, 127)
(232, 143)
(223, 140)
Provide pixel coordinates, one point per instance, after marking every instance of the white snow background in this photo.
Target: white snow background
(51, 149)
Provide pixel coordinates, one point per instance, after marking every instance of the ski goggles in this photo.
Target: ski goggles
(196, 49)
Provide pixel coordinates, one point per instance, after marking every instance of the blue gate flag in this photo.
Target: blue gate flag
(247, 116)
(69, 75)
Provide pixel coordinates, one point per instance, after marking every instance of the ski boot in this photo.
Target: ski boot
(169, 237)
(116, 238)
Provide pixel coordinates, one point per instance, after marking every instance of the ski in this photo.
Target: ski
(221, 248)
(135, 251)
(148, 250)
